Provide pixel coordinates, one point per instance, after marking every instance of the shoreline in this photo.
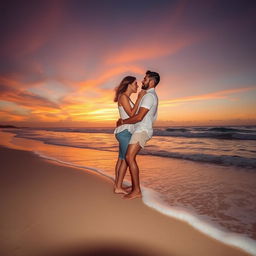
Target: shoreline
(91, 213)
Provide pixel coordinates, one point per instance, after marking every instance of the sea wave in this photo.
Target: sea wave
(228, 129)
(213, 133)
(227, 160)
(227, 133)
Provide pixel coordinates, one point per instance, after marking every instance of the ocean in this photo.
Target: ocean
(205, 176)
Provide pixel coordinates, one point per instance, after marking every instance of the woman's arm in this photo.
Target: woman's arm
(124, 101)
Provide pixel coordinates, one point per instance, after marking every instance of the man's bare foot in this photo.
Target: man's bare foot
(120, 191)
(133, 195)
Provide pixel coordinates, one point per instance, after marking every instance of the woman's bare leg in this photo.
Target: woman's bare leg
(121, 173)
(118, 164)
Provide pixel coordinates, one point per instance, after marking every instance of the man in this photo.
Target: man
(143, 120)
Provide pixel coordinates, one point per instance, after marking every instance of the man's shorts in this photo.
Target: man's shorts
(139, 137)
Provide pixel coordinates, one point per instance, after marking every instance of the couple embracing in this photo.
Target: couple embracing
(134, 128)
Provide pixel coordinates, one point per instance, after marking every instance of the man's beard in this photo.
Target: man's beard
(145, 86)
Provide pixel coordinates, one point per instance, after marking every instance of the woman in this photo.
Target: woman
(124, 132)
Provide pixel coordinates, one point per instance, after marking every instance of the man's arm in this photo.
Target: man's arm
(146, 103)
(134, 119)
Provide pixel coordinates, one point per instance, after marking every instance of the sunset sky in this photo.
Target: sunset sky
(61, 60)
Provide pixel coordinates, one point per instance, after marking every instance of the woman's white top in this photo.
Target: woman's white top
(123, 115)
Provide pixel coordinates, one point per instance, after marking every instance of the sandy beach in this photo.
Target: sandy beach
(53, 209)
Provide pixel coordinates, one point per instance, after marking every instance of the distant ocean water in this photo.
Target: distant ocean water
(220, 145)
(199, 174)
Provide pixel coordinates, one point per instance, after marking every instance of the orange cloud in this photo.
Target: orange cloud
(6, 116)
(90, 94)
(109, 73)
(159, 38)
(215, 95)
(149, 50)
(25, 98)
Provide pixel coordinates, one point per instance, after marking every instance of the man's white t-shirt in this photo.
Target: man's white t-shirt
(148, 101)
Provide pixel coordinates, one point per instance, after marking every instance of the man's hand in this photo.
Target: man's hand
(119, 122)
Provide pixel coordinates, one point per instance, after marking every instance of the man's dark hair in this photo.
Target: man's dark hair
(153, 75)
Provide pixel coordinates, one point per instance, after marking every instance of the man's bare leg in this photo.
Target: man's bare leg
(132, 151)
(120, 177)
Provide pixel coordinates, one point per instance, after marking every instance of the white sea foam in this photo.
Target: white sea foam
(153, 199)
(74, 165)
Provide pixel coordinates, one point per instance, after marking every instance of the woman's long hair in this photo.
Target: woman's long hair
(122, 87)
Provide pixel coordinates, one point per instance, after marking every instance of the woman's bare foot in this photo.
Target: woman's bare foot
(120, 191)
(128, 188)
(133, 194)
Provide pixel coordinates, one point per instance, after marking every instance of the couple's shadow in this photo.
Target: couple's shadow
(101, 251)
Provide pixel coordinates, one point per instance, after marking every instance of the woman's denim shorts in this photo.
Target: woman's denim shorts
(123, 138)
